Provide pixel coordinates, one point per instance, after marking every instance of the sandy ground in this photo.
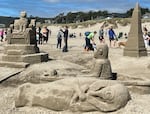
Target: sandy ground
(127, 69)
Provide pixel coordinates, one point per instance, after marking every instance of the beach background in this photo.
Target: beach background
(72, 62)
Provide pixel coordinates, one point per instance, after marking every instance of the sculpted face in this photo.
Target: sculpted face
(98, 53)
(23, 14)
(102, 52)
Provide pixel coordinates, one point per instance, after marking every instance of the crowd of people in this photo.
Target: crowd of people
(43, 34)
(113, 38)
(90, 44)
(63, 34)
(90, 37)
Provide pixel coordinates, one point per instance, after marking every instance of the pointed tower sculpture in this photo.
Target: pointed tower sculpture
(135, 46)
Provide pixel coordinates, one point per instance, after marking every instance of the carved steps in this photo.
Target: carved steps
(29, 58)
(23, 49)
(35, 58)
(12, 58)
(14, 52)
(22, 56)
(14, 64)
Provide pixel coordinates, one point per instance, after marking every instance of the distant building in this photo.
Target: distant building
(38, 24)
(107, 18)
(118, 15)
(146, 16)
(2, 25)
(99, 18)
(48, 21)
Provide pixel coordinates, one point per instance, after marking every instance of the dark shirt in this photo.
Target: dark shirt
(66, 33)
(111, 33)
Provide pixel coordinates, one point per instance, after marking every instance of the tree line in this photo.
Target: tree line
(72, 17)
(93, 15)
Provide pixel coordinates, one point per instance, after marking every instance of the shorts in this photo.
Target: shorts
(101, 37)
(111, 38)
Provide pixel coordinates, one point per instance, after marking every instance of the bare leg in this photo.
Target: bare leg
(110, 43)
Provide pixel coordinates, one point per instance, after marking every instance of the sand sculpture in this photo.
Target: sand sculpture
(23, 32)
(21, 24)
(101, 66)
(84, 95)
(149, 66)
(80, 94)
(22, 49)
(135, 46)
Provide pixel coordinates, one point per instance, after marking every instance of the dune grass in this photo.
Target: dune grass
(113, 21)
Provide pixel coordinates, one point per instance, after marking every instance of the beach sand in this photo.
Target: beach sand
(127, 68)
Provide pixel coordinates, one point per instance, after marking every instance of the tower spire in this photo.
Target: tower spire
(135, 46)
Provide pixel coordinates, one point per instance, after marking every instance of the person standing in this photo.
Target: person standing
(47, 35)
(112, 36)
(101, 35)
(65, 48)
(146, 39)
(39, 35)
(59, 38)
(2, 34)
(44, 34)
(145, 29)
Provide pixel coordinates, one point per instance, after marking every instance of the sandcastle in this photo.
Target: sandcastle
(78, 94)
(22, 50)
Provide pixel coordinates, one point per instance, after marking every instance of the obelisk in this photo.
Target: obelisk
(135, 46)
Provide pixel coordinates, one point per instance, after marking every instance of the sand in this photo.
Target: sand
(72, 63)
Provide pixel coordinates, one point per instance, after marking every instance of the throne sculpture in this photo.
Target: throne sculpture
(21, 49)
(23, 32)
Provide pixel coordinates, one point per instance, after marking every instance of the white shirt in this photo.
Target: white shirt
(145, 37)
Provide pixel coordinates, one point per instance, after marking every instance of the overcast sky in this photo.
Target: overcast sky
(51, 8)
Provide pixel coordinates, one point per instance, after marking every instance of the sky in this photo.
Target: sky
(51, 8)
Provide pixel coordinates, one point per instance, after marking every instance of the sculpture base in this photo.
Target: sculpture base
(21, 49)
(22, 56)
(135, 53)
(14, 64)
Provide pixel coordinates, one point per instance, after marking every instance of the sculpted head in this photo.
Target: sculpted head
(23, 14)
(115, 93)
(11, 26)
(102, 52)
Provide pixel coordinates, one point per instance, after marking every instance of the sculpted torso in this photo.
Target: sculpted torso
(75, 95)
(102, 69)
(101, 66)
(21, 24)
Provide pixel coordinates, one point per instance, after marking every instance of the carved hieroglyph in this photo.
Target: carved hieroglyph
(74, 94)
